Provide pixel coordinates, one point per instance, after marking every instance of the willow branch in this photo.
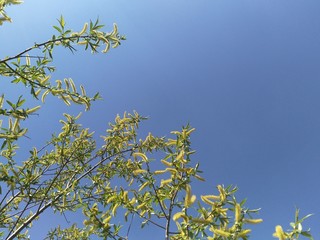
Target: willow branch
(39, 45)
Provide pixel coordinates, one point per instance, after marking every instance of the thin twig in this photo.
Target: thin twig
(157, 196)
(167, 228)
(38, 45)
(129, 228)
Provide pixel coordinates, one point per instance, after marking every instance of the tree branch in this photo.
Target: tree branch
(38, 45)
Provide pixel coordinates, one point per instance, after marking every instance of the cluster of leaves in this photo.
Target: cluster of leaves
(3, 15)
(121, 179)
(296, 230)
(36, 75)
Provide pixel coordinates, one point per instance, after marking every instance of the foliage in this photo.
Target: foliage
(120, 179)
(3, 15)
(296, 229)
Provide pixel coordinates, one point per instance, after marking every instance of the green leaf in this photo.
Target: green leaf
(307, 234)
(243, 202)
(62, 22)
(11, 104)
(58, 29)
(304, 218)
(21, 101)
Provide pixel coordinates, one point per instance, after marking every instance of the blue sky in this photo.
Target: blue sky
(244, 73)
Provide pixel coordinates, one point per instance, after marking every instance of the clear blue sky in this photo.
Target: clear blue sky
(245, 74)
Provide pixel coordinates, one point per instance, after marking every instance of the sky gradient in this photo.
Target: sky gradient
(244, 73)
